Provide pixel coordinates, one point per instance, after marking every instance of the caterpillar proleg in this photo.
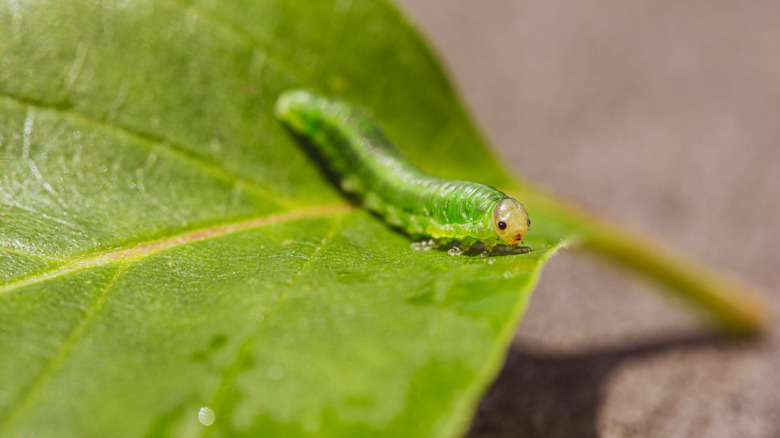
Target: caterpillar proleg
(371, 167)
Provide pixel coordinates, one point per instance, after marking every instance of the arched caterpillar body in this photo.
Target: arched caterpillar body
(370, 166)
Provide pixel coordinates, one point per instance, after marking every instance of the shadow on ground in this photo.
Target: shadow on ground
(541, 395)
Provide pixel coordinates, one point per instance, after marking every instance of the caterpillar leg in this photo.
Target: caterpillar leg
(442, 242)
(467, 243)
(510, 250)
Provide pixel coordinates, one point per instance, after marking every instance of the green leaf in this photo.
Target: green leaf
(167, 246)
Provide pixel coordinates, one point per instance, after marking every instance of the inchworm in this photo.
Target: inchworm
(371, 167)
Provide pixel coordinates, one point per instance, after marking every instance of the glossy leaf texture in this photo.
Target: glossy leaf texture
(166, 245)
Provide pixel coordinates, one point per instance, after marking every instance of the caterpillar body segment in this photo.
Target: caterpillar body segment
(371, 167)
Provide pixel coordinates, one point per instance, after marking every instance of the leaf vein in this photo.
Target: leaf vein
(205, 163)
(28, 393)
(234, 369)
(226, 24)
(20, 252)
(149, 248)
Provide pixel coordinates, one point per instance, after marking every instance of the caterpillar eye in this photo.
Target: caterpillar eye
(502, 225)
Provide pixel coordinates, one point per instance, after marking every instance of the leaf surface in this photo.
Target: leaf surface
(167, 246)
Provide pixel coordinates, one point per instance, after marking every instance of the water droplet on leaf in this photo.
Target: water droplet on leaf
(455, 251)
(206, 416)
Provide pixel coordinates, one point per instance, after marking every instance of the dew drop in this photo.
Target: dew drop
(455, 251)
(424, 245)
(206, 416)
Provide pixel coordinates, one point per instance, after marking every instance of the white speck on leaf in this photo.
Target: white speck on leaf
(206, 416)
(76, 66)
(27, 135)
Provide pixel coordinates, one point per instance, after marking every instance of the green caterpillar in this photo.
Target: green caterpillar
(370, 166)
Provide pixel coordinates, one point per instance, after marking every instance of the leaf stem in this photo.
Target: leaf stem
(732, 305)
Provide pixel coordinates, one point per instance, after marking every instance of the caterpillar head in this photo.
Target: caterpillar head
(510, 220)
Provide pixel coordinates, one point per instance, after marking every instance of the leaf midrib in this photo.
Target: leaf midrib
(148, 248)
(144, 250)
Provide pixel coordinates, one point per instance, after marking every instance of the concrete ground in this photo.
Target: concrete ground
(665, 115)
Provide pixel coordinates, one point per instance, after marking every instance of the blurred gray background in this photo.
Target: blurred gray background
(665, 115)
